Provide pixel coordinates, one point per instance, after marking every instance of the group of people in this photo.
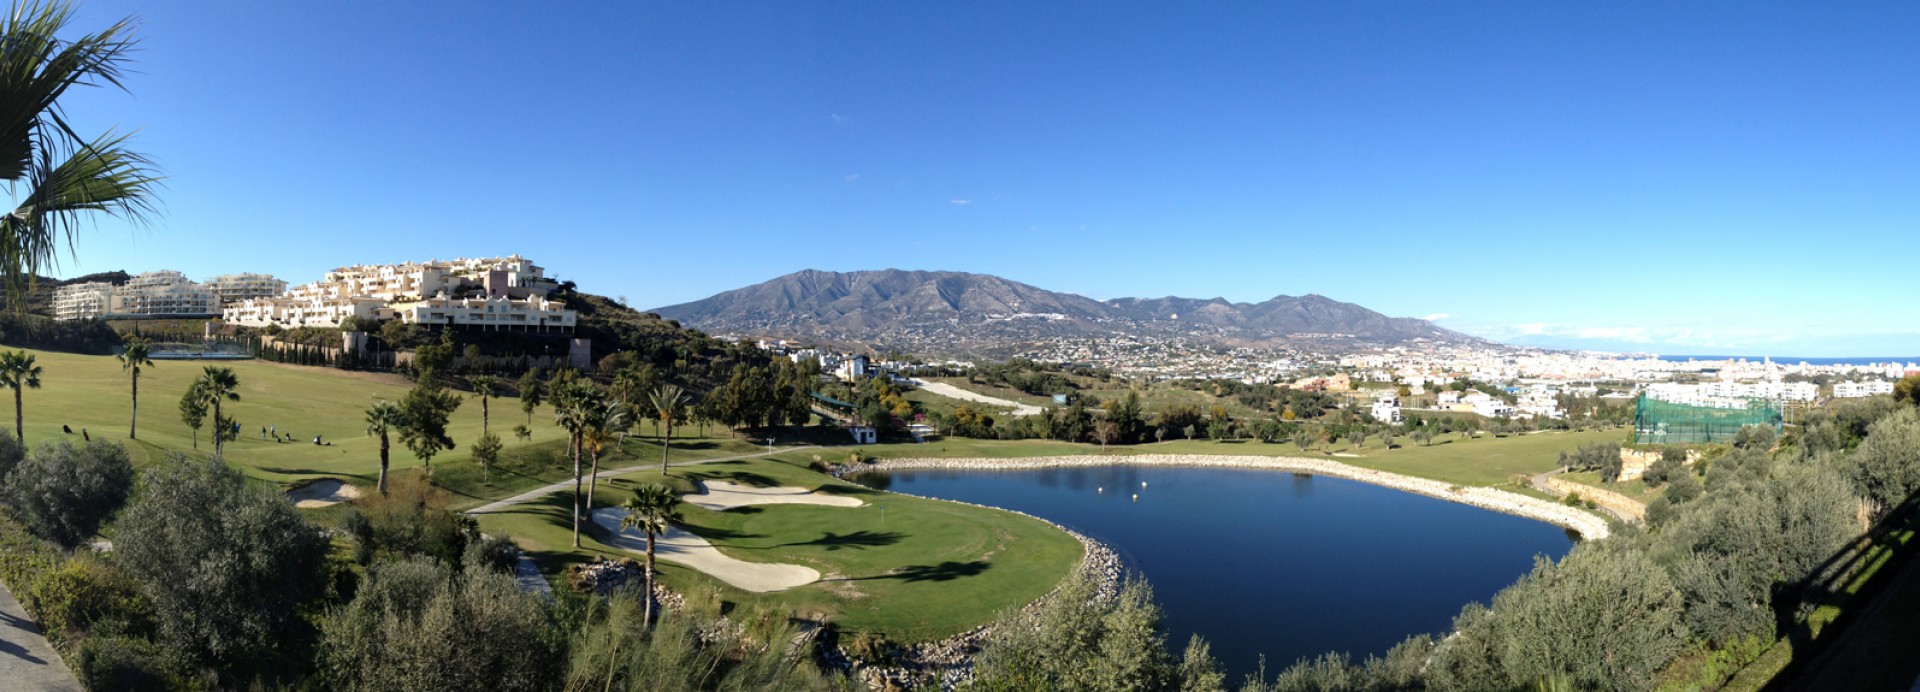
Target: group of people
(272, 432)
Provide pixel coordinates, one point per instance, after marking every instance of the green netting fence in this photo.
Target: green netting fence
(1666, 422)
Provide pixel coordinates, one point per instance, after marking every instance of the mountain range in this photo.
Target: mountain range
(959, 313)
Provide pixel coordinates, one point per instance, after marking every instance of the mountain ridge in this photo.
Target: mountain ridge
(953, 313)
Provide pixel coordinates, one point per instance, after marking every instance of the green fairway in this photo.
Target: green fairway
(915, 571)
(92, 394)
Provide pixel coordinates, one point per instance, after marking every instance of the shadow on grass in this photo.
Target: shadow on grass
(859, 540)
(945, 571)
(850, 489)
(742, 477)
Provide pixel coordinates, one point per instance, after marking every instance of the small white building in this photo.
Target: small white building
(1386, 409)
(864, 435)
(1856, 390)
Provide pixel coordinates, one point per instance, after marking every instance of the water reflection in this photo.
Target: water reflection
(1286, 565)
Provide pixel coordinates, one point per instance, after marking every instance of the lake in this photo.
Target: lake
(1274, 563)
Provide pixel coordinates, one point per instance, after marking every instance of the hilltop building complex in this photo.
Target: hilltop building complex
(157, 294)
(491, 293)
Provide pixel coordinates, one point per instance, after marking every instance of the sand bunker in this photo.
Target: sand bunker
(325, 492)
(722, 496)
(680, 547)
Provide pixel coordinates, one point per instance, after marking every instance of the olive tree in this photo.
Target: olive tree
(67, 490)
(228, 564)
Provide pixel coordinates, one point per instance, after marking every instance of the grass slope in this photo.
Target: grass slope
(919, 570)
(93, 394)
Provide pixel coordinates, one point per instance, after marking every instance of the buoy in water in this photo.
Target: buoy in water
(1136, 497)
(1100, 490)
(1143, 484)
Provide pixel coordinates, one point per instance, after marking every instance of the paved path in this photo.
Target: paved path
(27, 660)
(604, 474)
(952, 392)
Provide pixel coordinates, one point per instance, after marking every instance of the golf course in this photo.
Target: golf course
(906, 568)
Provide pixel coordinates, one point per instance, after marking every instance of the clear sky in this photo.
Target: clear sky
(1694, 178)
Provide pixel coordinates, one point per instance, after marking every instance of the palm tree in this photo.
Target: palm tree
(573, 410)
(651, 509)
(486, 386)
(219, 384)
(385, 417)
(667, 400)
(57, 176)
(17, 371)
(136, 355)
(608, 417)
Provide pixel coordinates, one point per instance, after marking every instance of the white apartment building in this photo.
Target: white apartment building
(163, 293)
(498, 293)
(233, 288)
(1855, 390)
(89, 300)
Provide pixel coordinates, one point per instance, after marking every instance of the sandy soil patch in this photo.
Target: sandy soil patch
(723, 495)
(952, 392)
(680, 547)
(325, 492)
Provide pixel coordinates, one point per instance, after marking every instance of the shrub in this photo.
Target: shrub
(23, 556)
(413, 519)
(126, 663)
(11, 453)
(415, 625)
(228, 565)
(496, 553)
(66, 490)
(85, 596)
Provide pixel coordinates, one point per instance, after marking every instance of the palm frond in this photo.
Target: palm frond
(37, 68)
(102, 177)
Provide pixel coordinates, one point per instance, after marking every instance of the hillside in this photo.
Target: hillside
(958, 313)
(40, 299)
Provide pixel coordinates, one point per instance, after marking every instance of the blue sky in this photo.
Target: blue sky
(1686, 178)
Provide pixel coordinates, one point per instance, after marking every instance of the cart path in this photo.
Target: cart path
(604, 474)
(27, 659)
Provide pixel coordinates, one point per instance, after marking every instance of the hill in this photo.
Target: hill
(959, 313)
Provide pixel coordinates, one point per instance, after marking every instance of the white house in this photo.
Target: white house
(1386, 409)
(1855, 390)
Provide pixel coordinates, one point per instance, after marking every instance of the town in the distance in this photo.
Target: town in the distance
(513, 293)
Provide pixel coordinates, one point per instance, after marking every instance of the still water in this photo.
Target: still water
(1274, 563)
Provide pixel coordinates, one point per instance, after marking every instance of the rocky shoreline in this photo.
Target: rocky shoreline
(1589, 526)
(948, 663)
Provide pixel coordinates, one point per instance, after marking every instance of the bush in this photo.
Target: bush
(11, 453)
(416, 626)
(125, 663)
(495, 553)
(228, 565)
(67, 490)
(413, 519)
(85, 596)
(1604, 617)
(23, 556)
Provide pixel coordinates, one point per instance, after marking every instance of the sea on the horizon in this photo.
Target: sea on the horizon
(1793, 360)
